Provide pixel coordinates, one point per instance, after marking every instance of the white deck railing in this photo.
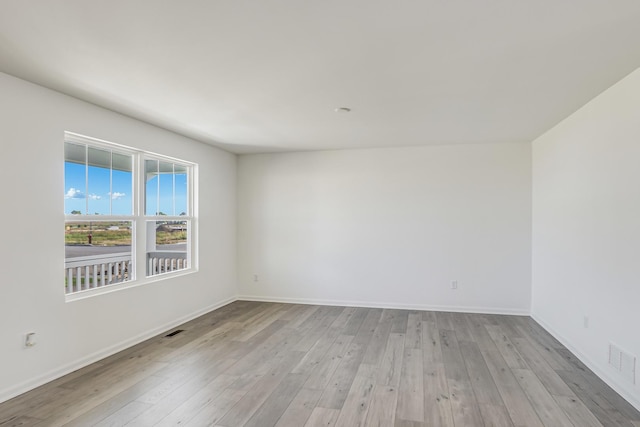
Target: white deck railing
(96, 271)
(159, 262)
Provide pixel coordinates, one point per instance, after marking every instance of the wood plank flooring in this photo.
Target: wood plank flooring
(268, 364)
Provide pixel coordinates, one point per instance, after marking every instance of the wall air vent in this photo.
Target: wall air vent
(623, 362)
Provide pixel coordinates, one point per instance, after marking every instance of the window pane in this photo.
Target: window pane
(99, 183)
(121, 185)
(74, 184)
(75, 179)
(181, 192)
(97, 253)
(75, 153)
(167, 191)
(166, 188)
(167, 243)
(151, 187)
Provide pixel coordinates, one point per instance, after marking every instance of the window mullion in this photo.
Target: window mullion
(86, 179)
(140, 224)
(173, 189)
(111, 183)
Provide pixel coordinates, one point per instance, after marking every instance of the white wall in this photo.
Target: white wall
(388, 227)
(586, 229)
(33, 121)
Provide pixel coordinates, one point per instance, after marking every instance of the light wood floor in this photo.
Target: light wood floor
(265, 364)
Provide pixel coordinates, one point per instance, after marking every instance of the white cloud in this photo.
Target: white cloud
(116, 195)
(74, 194)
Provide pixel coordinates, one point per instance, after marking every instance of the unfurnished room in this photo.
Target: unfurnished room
(320, 213)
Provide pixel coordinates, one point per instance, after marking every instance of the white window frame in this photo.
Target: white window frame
(189, 217)
(138, 219)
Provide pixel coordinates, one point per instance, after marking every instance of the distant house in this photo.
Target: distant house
(171, 228)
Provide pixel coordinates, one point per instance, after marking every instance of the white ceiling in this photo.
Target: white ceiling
(259, 76)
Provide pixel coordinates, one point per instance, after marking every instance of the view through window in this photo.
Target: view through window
(103, 225)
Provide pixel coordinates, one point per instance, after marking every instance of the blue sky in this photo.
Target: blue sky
(99, 194)
(163, 194)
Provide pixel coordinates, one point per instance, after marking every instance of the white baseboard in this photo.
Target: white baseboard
(603, 374)
(11, 392)
(400, 306)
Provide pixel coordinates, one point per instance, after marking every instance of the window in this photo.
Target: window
(117, 199)
(97, 180)
(168, 217)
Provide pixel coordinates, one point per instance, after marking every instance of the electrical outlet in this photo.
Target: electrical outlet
(30, 339)
(255, 277)
(585, 322)
(454, 284)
